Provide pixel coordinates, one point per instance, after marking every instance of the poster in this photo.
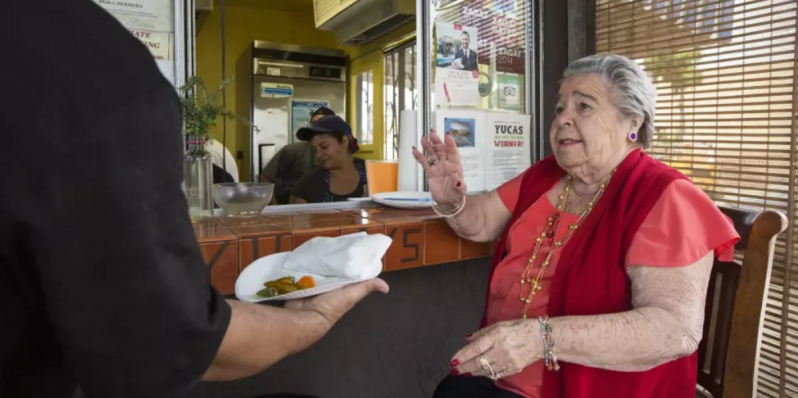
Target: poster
(508, 149)
(468, 130)
(509, 90)
(501, 33)
(149, 15)
(160, 44)
(457, 68)
(495, 147)
(301, 112)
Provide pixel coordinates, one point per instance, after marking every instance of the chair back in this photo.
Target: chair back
(734, 312)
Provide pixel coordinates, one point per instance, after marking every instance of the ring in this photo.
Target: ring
(432, 162)
(485, 365)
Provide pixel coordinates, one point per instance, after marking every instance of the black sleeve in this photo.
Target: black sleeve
(310, 187)
(126, 288)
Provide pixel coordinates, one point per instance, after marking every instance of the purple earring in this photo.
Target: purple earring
(633, 137)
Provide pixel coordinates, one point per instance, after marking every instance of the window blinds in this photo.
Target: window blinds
(727, 116)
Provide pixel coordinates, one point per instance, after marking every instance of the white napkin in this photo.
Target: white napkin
(357, 256)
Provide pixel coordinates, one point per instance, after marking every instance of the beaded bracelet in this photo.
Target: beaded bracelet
(549, 353)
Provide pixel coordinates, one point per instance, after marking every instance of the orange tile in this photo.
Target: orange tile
(222, 259)
(322, 216)
(470, 249)
(211, 230)
(279, 219)
(369, 230)
(441, 244)
(407, 249)
(397, 216)
(299, 239)
(348, 221)
(251, 249)
(234, 222)
(265, 229)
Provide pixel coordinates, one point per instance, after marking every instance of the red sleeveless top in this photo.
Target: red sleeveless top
(601, 286)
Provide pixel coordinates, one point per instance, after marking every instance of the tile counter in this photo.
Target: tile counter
(420, 238)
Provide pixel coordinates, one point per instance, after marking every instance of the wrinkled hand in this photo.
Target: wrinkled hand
(333, 305)
(508, 346)
(444, 169)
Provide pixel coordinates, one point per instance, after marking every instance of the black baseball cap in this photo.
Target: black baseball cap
(324, 111)
(327, 125)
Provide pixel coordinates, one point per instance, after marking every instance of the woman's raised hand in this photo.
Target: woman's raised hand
(444, 170)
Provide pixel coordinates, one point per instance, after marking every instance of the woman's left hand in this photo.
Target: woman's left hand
(508, 347)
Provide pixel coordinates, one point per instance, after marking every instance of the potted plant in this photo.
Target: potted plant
(201, 111)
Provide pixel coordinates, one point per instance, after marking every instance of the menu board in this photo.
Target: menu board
(152, 22)
(494, 146)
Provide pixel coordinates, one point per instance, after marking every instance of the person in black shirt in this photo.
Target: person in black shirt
(340, 175)
(102, 282)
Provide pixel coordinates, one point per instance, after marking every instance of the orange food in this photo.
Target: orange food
(306, 282)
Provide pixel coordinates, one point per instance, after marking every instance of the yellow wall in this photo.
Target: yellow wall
(245, 22)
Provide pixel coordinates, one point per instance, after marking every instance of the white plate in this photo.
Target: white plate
(404, 200)
(270, 268)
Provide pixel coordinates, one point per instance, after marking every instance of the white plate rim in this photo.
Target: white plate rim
(315, 291)
(380, 198)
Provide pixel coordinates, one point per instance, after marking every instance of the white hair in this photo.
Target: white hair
(636, 95)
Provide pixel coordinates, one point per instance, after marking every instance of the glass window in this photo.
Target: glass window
(364, 113)
(478, 64)
(400, 93)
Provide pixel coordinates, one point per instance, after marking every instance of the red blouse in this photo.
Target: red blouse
(675, 233)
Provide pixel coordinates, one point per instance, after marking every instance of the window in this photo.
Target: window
(400, 93)
(726, 76)
(364, 112)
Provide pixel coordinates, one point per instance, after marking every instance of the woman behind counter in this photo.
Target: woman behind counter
(340, 175)
(598, 284)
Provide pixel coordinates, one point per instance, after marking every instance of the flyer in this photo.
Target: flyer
(150, 15)
(468, 130)
(457, 71)
(509, 90)
(301, 113)
(508, 149)
(159, 43)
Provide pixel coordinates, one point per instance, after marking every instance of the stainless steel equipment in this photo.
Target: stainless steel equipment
(278, 86)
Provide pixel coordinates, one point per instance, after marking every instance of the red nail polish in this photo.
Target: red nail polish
(468, 374)
(458, 185)
(455, 363)
(455, 372)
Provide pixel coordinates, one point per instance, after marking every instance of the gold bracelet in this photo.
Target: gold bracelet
(457, 209)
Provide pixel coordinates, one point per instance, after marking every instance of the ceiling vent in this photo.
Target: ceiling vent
(356, 22)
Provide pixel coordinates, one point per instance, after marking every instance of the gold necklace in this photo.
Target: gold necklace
(535, 283)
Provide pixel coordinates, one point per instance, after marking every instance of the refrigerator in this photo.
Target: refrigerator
(278, 86)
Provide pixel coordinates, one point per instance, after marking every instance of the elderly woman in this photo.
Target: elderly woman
(598, 283)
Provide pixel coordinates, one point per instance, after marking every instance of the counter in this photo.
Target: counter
(420, 238)
(395, 345)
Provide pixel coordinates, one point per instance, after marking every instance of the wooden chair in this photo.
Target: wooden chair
(735, 308)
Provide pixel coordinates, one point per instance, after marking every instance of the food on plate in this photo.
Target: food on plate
(286, 285)
(306, 282)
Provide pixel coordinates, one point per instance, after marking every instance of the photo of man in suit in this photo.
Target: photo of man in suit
(467, 56)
